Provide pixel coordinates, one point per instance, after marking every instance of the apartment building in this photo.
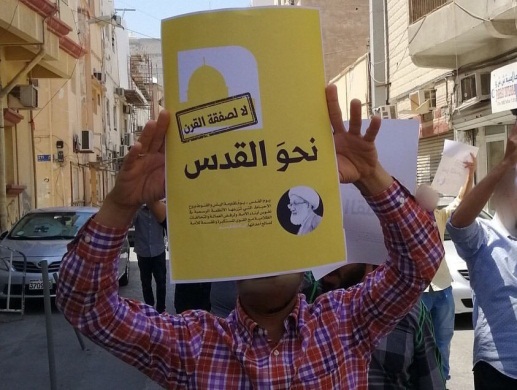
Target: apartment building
(38, 41)
(71, 106)
(472, 38)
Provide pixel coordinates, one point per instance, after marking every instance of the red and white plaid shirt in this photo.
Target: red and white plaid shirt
(326, 345)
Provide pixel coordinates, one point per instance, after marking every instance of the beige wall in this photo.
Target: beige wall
(403, 74)
(352, 83)
(345, 30)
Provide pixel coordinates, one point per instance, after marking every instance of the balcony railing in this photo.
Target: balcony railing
(420, 8)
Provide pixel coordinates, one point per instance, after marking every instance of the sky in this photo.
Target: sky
(145, 21)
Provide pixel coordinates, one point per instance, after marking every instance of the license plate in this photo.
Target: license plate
(37, 284)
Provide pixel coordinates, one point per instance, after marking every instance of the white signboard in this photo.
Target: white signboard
(503, 88)
(397, 146)
(451, 173)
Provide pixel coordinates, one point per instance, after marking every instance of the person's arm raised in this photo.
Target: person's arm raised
(469, 180)
(356, 153)
(475, 200)
(411, 237)
(141, 178)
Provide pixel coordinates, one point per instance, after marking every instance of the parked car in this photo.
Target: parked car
(43, 234)
(131, 235)
(461, 290)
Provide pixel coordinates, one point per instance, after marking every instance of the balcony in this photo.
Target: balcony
(449, 34)
(26, 25)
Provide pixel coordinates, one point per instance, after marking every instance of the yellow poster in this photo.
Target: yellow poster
(252, 186)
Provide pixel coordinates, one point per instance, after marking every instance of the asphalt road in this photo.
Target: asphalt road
(24, 358)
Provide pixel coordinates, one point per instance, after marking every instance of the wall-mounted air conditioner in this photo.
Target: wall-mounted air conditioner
(27, 96)
(117, 20)
(474, 87)
(127, 109)
(423, 101)
(119, 91)
(86, 142)
(387, 112)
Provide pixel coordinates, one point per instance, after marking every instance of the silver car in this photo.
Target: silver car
(44, 234)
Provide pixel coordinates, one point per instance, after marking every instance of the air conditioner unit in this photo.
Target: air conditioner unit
(117, 20)
(127, 109)
(100, 76)
(474, 87)
(86, 142)
(119, 91)
(139, 128)
(387, 112)
(27, 95)
(123, 150)
(423, 101)
(129, 139)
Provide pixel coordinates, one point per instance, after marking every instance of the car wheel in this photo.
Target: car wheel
(124, 279)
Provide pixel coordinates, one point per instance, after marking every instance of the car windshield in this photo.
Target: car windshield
(49, 225)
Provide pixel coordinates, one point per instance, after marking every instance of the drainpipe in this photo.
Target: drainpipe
(3, 94)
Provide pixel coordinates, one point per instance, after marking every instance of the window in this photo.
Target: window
(420, 8)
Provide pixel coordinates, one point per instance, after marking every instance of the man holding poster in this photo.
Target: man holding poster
(490, 251)
(274, 338)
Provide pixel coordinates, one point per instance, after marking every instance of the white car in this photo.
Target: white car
(459, 273)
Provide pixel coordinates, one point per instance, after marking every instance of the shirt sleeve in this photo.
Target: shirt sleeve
(467, 240)
(415, 250)
(161, 346)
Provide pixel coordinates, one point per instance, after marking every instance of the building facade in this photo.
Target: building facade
(474, 38)
(70, 103)
(344, 29)
(38, 42)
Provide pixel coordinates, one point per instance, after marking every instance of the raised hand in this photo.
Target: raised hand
(471, 165)
(141, 178)
(356, 153)
(510, 155)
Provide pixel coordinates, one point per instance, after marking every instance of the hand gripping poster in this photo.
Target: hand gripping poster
(252, 185)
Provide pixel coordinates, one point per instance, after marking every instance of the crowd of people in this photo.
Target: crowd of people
(362, 326)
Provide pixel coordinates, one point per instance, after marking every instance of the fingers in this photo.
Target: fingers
(158, 141)
(153, 135)
(132, 155)
(373, 129)
(335, 114)
(355, 117)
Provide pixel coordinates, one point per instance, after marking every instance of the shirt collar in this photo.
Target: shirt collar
(293, 322)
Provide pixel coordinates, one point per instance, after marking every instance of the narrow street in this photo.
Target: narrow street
(23, 352)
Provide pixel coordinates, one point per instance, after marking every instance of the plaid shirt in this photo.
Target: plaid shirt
(326, 345)
(408, 357)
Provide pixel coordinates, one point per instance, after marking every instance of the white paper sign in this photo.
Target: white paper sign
(503, 88)
(451, 173)
(397, 146)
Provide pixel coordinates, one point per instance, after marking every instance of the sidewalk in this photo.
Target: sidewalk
(24, 359)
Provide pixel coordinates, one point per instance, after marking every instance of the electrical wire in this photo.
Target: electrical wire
(470, 13)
